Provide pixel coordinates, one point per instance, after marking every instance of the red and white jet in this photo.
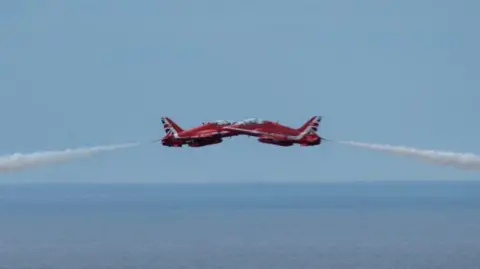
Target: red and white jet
(208, 133)
(277, 134)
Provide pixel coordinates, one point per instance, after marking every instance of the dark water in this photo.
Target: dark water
(364, 225)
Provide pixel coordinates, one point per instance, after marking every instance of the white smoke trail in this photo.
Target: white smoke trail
(19, 161)
(468, 161)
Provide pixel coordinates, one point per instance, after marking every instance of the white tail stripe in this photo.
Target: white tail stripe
(168, 127)
(312, 127)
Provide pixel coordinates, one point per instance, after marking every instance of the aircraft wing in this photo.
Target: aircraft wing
(275, 136)
(270, 137)
(201, 135)
(251, 132)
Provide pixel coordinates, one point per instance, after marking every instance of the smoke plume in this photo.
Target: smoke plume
(467, 161)
(19, 161)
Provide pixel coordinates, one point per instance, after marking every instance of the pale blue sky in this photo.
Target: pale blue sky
(81, 73)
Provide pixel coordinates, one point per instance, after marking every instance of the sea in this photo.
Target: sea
(361, 225)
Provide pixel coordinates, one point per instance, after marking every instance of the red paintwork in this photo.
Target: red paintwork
(208, 133)
(277, 134)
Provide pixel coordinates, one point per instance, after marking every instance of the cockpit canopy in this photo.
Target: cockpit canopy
(251, 121)
(220, 122)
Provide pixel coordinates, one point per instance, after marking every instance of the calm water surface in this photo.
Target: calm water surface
(352, 225)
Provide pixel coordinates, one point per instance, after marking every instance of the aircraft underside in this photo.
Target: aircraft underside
(283, 143)
(200, 142)
(204, 142)
(287, 143)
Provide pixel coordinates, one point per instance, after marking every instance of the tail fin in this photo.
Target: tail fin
(170, 127)
(312, 125)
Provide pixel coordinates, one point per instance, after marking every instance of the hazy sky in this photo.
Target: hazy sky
(80, 73)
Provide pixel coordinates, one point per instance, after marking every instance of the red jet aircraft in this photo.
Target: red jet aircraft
(208, 133)
(277, 134)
